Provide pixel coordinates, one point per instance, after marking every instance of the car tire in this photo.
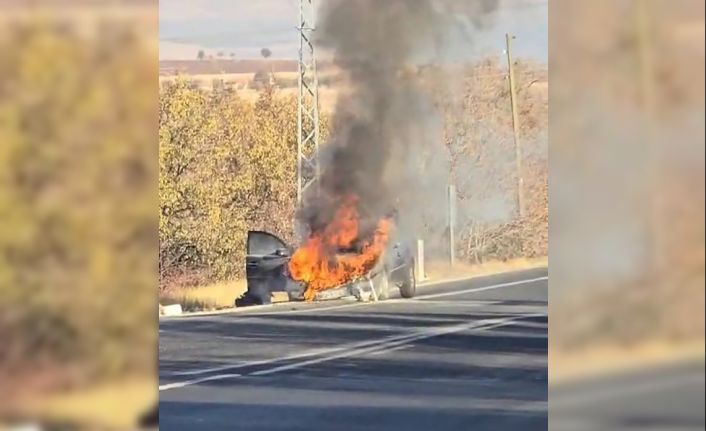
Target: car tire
(295, 296)
(257, 294)
(408, 286)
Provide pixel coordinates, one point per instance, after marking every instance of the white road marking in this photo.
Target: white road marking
(394, 349)
(450, 303)
(195, 381)
(428, 333)
(246, 316)
(198, 315)
(317, 352)
(356, 349)
(308, 310)
(231, 366)
(302, 355)
(480, 289)
(518, 334)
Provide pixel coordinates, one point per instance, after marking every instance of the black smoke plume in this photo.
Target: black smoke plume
(385, 119)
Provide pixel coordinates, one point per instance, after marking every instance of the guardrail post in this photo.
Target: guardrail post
(419, 261)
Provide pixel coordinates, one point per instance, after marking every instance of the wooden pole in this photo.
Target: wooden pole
(515, 126)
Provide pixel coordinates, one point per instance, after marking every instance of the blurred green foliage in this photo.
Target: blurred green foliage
(78, 116)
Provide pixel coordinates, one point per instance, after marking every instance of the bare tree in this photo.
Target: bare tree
(201, 55)
(267, 53)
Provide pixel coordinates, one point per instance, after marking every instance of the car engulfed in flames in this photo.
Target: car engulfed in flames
(339, 260)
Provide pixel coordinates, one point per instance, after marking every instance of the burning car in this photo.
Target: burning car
(271, 267)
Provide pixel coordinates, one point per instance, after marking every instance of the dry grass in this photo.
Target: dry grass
(437, 271)
(205, 298)
(610, 358)
(206, 80)
(116, 405)
(327, 96)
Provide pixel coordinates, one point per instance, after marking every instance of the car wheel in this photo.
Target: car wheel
(295, 295)
(408, 286)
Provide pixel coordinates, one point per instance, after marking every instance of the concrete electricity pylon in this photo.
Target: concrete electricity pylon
(308, 101)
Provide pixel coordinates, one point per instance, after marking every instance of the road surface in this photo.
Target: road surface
(463, 355)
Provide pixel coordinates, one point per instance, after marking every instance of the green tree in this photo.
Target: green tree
(227, 166)
(77, 192)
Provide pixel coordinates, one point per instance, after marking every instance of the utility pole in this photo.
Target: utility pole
(308, 103)
(515, 126)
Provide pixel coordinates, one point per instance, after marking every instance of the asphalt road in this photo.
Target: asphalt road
(465, 355)
(669, 397)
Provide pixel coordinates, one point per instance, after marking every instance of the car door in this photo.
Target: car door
(265, 263)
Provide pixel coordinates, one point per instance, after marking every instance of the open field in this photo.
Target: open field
(225, 65)
(242, 82)
(237, 80)
(241, 79)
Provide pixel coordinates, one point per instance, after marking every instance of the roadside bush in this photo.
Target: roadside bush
(77, 193)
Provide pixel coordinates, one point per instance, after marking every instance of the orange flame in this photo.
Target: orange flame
(320, 265)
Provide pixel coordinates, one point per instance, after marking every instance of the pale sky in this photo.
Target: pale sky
(243, 27)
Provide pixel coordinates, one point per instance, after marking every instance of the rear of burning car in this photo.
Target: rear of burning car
(268, 270)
